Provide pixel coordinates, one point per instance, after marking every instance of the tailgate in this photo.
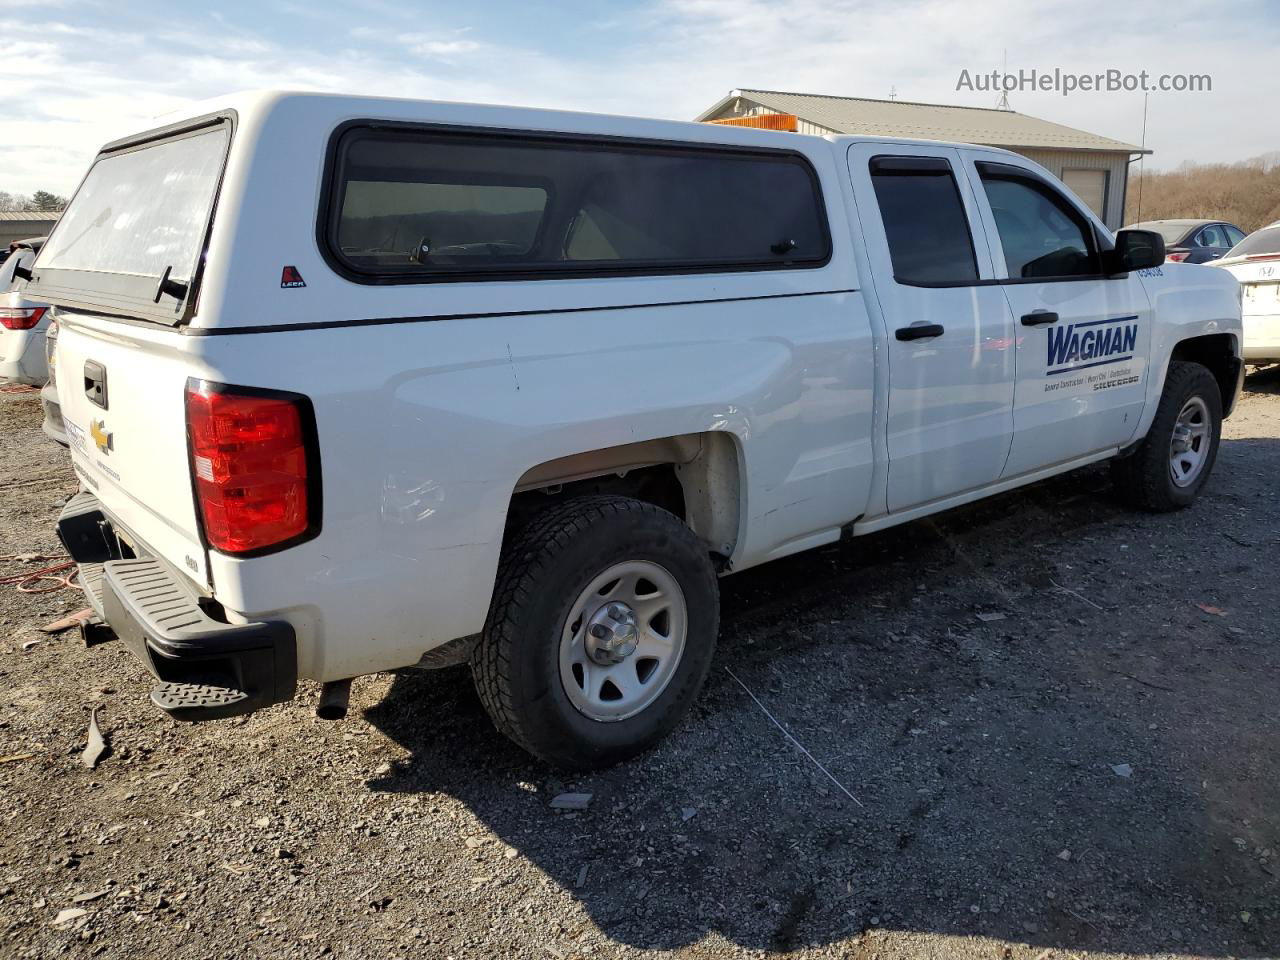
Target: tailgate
(121, 389)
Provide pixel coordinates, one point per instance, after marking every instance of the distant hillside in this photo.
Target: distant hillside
(1246, 194)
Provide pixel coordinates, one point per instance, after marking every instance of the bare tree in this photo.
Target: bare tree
(13, 201)
(1246, 194)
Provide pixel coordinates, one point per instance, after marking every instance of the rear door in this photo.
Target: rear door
(1082, 338)
(1211, 243)
(950, 334)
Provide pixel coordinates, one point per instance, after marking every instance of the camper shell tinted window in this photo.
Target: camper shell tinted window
(408, 204)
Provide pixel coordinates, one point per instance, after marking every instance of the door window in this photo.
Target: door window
(1042, 235)
(1212, 236)
(930, 243)
(1234, 236)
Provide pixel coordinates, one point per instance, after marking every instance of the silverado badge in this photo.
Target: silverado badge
(101, 435)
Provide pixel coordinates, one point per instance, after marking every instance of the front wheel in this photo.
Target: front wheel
(601, 631)
(1173, 462)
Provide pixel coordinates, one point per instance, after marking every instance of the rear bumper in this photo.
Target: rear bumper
(208, 668)
(1262, 338)
(1262, 352)
(22, 356)
(52, 426)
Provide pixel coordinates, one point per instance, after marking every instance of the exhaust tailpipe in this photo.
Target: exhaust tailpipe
(333, 700)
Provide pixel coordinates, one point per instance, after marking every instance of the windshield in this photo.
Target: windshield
(143, 211)
(1266, 240)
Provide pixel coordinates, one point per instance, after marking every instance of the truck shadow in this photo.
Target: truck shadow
(1087, 766)
(1263, 379)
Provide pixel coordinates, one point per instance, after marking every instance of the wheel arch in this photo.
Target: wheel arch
(1220, 353)
(696, 476)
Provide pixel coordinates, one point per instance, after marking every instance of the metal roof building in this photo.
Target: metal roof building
(1095, 167)
(24, 224)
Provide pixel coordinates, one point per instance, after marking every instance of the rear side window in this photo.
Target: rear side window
(415, 205)
(1213, 236)
(1042, 235)
(929, 239)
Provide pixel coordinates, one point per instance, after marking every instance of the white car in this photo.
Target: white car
(396, 383)
(23, 322)
(1255, 262)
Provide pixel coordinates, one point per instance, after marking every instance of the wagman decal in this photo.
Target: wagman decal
(1078, 346)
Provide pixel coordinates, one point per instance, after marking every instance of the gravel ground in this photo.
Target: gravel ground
(1055, 721)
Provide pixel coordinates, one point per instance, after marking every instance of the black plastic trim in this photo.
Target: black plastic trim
(326, 219)
(902, 164)
(311, 442)
(919, 331)
(170, 625)
(161, 621)
(1039, 318)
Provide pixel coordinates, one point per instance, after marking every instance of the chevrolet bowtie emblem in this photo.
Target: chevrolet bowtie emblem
(101, 435)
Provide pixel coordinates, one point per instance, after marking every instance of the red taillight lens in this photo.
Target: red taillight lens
(21, 318)
(1177, 257)
(253, 470)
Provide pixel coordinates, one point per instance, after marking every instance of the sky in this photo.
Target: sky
(78, 73)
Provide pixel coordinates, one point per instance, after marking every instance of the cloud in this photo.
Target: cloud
(76, 76)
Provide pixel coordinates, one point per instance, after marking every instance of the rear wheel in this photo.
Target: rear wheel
(601, 631)
(1173, 462)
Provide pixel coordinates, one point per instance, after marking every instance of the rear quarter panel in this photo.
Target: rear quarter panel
(425, 429)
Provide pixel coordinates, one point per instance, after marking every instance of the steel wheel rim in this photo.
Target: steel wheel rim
(608, 692)
(1189, 446)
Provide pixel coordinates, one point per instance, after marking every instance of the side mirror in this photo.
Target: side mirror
(1134, 250)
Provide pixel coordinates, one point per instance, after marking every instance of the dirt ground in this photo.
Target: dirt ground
(1093, 773)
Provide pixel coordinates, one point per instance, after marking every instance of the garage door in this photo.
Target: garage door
(1090, 186)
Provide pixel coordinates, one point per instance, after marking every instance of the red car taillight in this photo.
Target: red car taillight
(254, 465)
(21, 318)
(1177, 257)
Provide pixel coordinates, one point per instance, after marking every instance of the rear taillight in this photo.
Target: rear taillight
(1177, 257)
(254, 466)
(21, 318)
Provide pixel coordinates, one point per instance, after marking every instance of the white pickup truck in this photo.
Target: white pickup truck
(354, 385)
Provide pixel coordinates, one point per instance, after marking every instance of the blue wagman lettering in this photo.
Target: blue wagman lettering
(1080, 345)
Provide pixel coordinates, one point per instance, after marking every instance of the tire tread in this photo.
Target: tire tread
(528, 557)
(1141, 479)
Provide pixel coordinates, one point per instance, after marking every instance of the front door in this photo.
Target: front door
(1083, 338)
(949, 331)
